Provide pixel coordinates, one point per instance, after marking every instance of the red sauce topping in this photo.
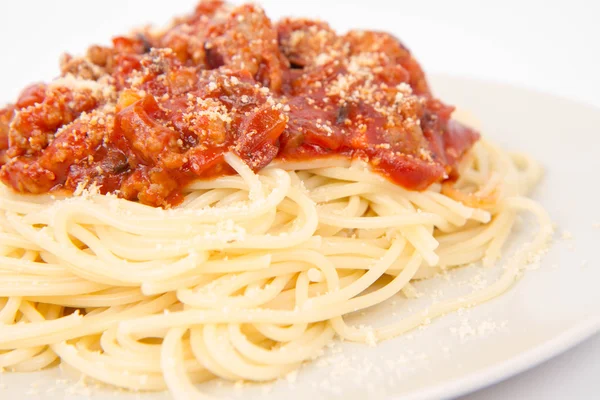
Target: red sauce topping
(157, 110)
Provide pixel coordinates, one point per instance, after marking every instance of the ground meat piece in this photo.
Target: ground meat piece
(384, 43)
(75, 143)
(147, 138)
(248, 41)
(80, 67)
(100, 55)
(303, 41)
(34, 126)
(6, 115)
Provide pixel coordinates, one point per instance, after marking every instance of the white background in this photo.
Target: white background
(552, 46)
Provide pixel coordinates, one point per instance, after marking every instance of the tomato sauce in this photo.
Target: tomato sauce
(159, 109)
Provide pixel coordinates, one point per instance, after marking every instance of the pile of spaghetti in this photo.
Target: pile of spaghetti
(212, 199)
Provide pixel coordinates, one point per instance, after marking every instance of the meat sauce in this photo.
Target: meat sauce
(159, 109)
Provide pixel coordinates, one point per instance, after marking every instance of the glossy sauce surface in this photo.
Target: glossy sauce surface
(159, 109)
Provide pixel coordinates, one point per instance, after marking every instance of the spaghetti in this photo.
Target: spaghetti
(249, 277)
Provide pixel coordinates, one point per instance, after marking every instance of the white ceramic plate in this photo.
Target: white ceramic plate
(553, 307)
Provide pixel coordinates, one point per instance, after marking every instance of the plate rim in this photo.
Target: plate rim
(499, 83)
(524, 361)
